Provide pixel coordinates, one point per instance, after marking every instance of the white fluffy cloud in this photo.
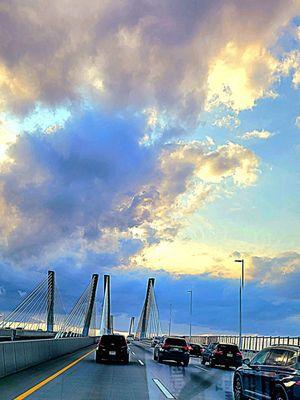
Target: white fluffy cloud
(173, 55)
(257, 134)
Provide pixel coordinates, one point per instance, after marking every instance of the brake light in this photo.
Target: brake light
(239, 354)
(218, 352)
(166, 346)
(186, 348)
(297, 383)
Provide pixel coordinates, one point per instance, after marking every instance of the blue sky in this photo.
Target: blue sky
(154, 140)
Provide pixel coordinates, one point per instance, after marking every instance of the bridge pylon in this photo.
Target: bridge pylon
(131, 326)
(50, 301)
(90, 306)
(106, 320)
(149, 323)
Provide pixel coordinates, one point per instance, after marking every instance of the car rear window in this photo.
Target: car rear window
(228, 347)
(175, 342)
(116, 340)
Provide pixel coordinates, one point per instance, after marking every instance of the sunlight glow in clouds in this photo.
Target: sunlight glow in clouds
(125, 124)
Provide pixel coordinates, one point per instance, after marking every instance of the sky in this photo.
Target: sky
(154, 139)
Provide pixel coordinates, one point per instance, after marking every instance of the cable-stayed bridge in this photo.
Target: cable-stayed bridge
(60, 364)
(41, 314)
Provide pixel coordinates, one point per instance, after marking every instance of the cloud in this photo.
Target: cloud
(297, 123)
(139, 54)
(230, 122)
(256, 134)
(91, 184)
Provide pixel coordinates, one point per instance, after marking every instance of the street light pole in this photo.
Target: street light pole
(242, 280)
(191, 312)
(170, 320)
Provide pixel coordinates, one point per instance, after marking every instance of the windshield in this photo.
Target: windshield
(113, 340)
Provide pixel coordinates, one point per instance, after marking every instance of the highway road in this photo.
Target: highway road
(77, 376)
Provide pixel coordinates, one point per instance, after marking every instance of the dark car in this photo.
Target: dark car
(112, 348)
(225, 354)
(272, 374)
(172, 349)
(196, 349)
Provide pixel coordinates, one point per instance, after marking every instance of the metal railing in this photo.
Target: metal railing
(253, 343)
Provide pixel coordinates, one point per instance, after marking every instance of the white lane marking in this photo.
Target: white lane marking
(163, 389)
(133, 352)
(141, 362)
(203, 369)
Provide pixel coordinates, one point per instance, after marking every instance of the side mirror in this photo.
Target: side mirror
(246, 361)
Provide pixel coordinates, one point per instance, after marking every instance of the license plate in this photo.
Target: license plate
(112, 353)
(229, 355)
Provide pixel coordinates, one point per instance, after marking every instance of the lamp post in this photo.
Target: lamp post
(170, 320)
(191, 312)
(242, 280)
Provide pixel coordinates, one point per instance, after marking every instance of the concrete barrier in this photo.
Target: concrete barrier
(15, 356)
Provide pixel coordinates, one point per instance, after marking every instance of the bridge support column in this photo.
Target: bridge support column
(88, 316)
(131, 326)
(107, 299)
(50, 301)
(146, 309)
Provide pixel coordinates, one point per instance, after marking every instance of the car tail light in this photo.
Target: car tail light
(218, 352)
(297, 383)
(186, 348)
(166, 346)
(239, 354)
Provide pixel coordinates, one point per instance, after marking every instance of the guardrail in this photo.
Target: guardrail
(19, 355)
(249, 343)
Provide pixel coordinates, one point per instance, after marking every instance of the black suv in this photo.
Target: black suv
(222, 354)
(272, 374)
(172, 349)
(112, 348)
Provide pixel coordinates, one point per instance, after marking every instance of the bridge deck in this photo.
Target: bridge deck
(142, 379)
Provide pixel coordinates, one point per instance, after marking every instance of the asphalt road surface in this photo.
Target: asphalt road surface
(78, 377)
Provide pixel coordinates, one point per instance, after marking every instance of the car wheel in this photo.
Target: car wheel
(280, 394)
(186, 363)
(159, 359)
(98, 360)
(238, 389)
(211, 363)
(203, 362)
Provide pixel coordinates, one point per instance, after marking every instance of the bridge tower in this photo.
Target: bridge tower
(131, 326)
(105, 324)
(50, 301)
(149, 323)
(90, 305)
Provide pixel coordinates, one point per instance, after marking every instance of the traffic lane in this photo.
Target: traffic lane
(90, 381)
(194, 382)
(13, 385)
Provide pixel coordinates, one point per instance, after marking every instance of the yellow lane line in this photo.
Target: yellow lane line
(50, 378)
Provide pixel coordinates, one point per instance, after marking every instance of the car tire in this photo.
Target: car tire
(238, 389)
(126, 361)
(211, 363)
(185, 363)
(98, 360)
(280, 394)
(159, 359)
(203, 362)
(154, 357)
